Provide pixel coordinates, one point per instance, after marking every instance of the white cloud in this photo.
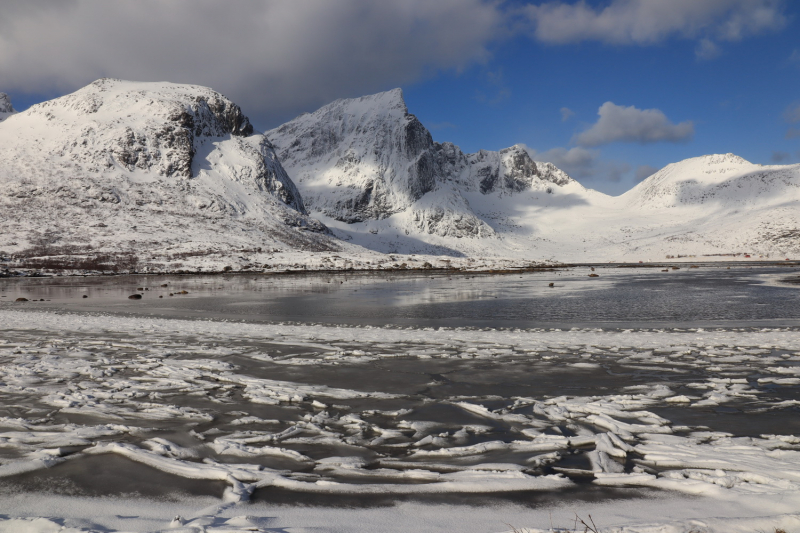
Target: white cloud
(273, 57)
(630, 124)
(277, 58)
(566, 114)
(644, 22)
(582, 164)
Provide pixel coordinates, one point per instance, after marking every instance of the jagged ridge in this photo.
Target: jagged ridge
(368, 159)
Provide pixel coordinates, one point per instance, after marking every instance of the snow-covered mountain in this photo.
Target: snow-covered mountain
(159, 170)
(371, 171)
(724, 180)
(171, 174)
(719, 203)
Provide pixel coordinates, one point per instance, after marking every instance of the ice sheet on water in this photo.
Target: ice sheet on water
(92, 385)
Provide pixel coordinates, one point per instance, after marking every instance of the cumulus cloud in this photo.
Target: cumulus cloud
(566, 114)
(274, 57)
(278, 58)
(630, 124)
(644, 171)
(582, 164)
(793, 133)
(644, 22)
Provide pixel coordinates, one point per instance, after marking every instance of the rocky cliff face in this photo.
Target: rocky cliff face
(359, 159)
(118, 164)
(154, 128)
(369, 159)
(6, 109)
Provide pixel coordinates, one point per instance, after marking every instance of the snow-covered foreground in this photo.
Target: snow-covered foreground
(231, 425)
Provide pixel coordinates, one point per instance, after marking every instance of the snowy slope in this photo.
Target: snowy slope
(712, 206)
(157, 170)
(370, 170)
(721, 202)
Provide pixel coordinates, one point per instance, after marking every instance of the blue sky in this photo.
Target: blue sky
(737, 101)
(672, 78)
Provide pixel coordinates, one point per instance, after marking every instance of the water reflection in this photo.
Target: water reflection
(631, 297)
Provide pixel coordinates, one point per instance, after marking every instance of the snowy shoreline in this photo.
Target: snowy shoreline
(411, 264)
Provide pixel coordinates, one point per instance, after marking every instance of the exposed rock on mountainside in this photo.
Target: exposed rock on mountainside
(360, 159)
(6, 109)
(158, 170)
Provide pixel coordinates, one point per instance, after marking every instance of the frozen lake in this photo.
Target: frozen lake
(375, 392)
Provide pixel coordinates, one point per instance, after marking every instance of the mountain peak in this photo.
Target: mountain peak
(197, 108)
(146, 126)
(360, 158)
(711, 167)
(385, 103)
(695, 180)
(391, 96)
(718, 159)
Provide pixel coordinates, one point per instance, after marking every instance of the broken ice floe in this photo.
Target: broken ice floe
(74, 386)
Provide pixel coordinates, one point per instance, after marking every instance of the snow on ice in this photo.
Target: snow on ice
(135, 381)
